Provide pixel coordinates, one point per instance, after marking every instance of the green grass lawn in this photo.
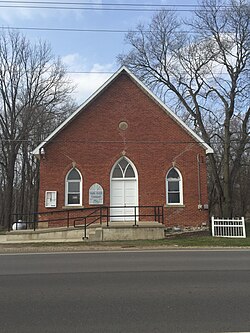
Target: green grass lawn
(176, 241)
(208, 241)
(194, 239)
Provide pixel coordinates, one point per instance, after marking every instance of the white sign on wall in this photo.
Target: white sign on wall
(50, 198)
(96, 194)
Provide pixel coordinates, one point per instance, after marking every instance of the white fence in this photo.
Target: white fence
(234, 228)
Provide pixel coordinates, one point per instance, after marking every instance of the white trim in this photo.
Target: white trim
(125, 179)
(66, 190)
(36, 151)
(208, 149)
(130, 162)
(170, 204)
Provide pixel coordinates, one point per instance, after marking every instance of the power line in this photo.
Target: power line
(94, 30)
(112, 72)
(70, 29)
(84, 30)
(104, 141)
(94, 9)
(108, 4)
(88, 72)
(33, 5)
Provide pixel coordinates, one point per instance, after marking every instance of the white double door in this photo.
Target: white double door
(124, 193)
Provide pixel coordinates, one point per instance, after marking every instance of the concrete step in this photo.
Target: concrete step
(143, 224)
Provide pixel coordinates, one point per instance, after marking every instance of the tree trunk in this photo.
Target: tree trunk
(8, 193)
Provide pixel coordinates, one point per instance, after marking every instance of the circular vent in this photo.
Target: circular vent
(123, 125)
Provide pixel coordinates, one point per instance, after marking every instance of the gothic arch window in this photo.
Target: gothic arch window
(73, 188)
(174, 187)
(123, 169)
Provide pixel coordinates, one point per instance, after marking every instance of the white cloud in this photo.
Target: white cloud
(86, 83)
(74, 61)
(10, 15)
(13, 13)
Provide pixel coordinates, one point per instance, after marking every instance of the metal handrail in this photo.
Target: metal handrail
(26, 217)
(86, 225)
(104, 213)
(98, 217)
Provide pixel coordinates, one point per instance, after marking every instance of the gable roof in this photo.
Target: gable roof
(197, 138)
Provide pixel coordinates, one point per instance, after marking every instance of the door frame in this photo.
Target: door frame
(124, 179)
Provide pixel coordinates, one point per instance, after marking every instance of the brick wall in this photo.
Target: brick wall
(153, 141)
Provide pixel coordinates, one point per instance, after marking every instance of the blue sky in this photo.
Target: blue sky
(82, 51)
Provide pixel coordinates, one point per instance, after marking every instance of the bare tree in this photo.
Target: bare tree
(33, 91)
(205, 72)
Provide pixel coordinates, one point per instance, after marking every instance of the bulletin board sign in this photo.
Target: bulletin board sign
(96, 194)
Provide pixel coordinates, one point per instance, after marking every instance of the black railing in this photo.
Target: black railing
(84, 217)
(94, 215)
(59, 218)
(137, 213)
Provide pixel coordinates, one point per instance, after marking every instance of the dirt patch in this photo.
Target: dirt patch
(186, 234)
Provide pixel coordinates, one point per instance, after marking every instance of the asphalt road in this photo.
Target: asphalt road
(142, 292)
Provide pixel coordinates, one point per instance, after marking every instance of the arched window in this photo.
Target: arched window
(123, 169)
(73, 188)
(174, 187)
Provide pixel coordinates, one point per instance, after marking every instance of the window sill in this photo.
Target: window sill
(72, 207)
(174, 206)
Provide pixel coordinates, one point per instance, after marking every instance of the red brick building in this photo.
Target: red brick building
(124, 147)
